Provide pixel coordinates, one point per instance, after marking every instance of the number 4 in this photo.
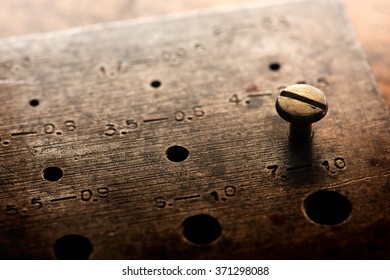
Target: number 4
(234, 99)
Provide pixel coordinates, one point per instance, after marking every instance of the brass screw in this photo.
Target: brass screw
(301, 105)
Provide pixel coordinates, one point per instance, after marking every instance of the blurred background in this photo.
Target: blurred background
(371, 19)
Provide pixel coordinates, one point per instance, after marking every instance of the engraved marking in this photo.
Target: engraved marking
(187, 197)
(303, 99)
(63, 198)
(241, 26)
(155, 120)
(299, 167)
(144, 61)
(23, 133)
(274, 168)
(339, 163)
(259, 95)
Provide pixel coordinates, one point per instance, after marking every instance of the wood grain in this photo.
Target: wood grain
(370, 17)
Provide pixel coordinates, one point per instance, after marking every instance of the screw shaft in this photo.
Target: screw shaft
(299, 133)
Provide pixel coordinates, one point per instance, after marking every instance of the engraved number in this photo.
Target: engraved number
(49, 128)
(70, 125)
(11, 210)
(37, 203)
(234, 99)
(160, 202)
(110, 130)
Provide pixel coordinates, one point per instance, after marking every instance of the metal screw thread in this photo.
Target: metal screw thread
(300, 133)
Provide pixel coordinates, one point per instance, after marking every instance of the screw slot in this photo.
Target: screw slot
(327, 207)
(73, 247)
(201, 229)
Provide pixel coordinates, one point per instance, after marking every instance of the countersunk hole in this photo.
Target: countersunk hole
(201, 229)
(327, 207)
(274, 66)
(155, 84)
(52, 174)
(73, 247)
(34, 102)
(177, 153)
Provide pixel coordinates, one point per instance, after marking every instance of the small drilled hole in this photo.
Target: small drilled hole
(52, 174)
(177, 153)
(201, 229)
(155, 84)
(5, 143)
(327, 207)
(34, 102)
(73, 247)
(274, 66)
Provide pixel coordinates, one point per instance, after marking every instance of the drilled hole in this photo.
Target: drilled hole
(73, 247)
(177, 153)
(155, 84)
(327, 207)
(201, 229)
(34, 102)
(5, 143)
(274, 66)
(52, 174)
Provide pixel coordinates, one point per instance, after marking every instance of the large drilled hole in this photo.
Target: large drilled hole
(52, 174)
(274, 66)
(177, 153)
(327, 207)
(201, 229)
(73, 247)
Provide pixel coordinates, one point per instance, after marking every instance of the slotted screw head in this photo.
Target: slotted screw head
(301, 104)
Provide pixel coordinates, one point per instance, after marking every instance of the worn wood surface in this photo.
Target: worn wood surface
(371, 19)
(105, 105)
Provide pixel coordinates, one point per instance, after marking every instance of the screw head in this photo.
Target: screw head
(301, 104)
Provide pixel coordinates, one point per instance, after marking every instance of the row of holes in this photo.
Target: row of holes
(156, 83)
(174, 153)
(322, 207)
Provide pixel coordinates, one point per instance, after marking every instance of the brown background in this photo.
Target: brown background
(371, 19)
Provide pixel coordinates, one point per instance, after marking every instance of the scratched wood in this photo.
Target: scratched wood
(105, 108)
(371, 19)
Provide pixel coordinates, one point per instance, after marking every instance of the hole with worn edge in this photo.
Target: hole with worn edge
(155, 84)
(201, 229)
(274, 66)
(73, 247)
(52, 174)
(34, 102)
(177, 153)
(5, 143)
(327, 207)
